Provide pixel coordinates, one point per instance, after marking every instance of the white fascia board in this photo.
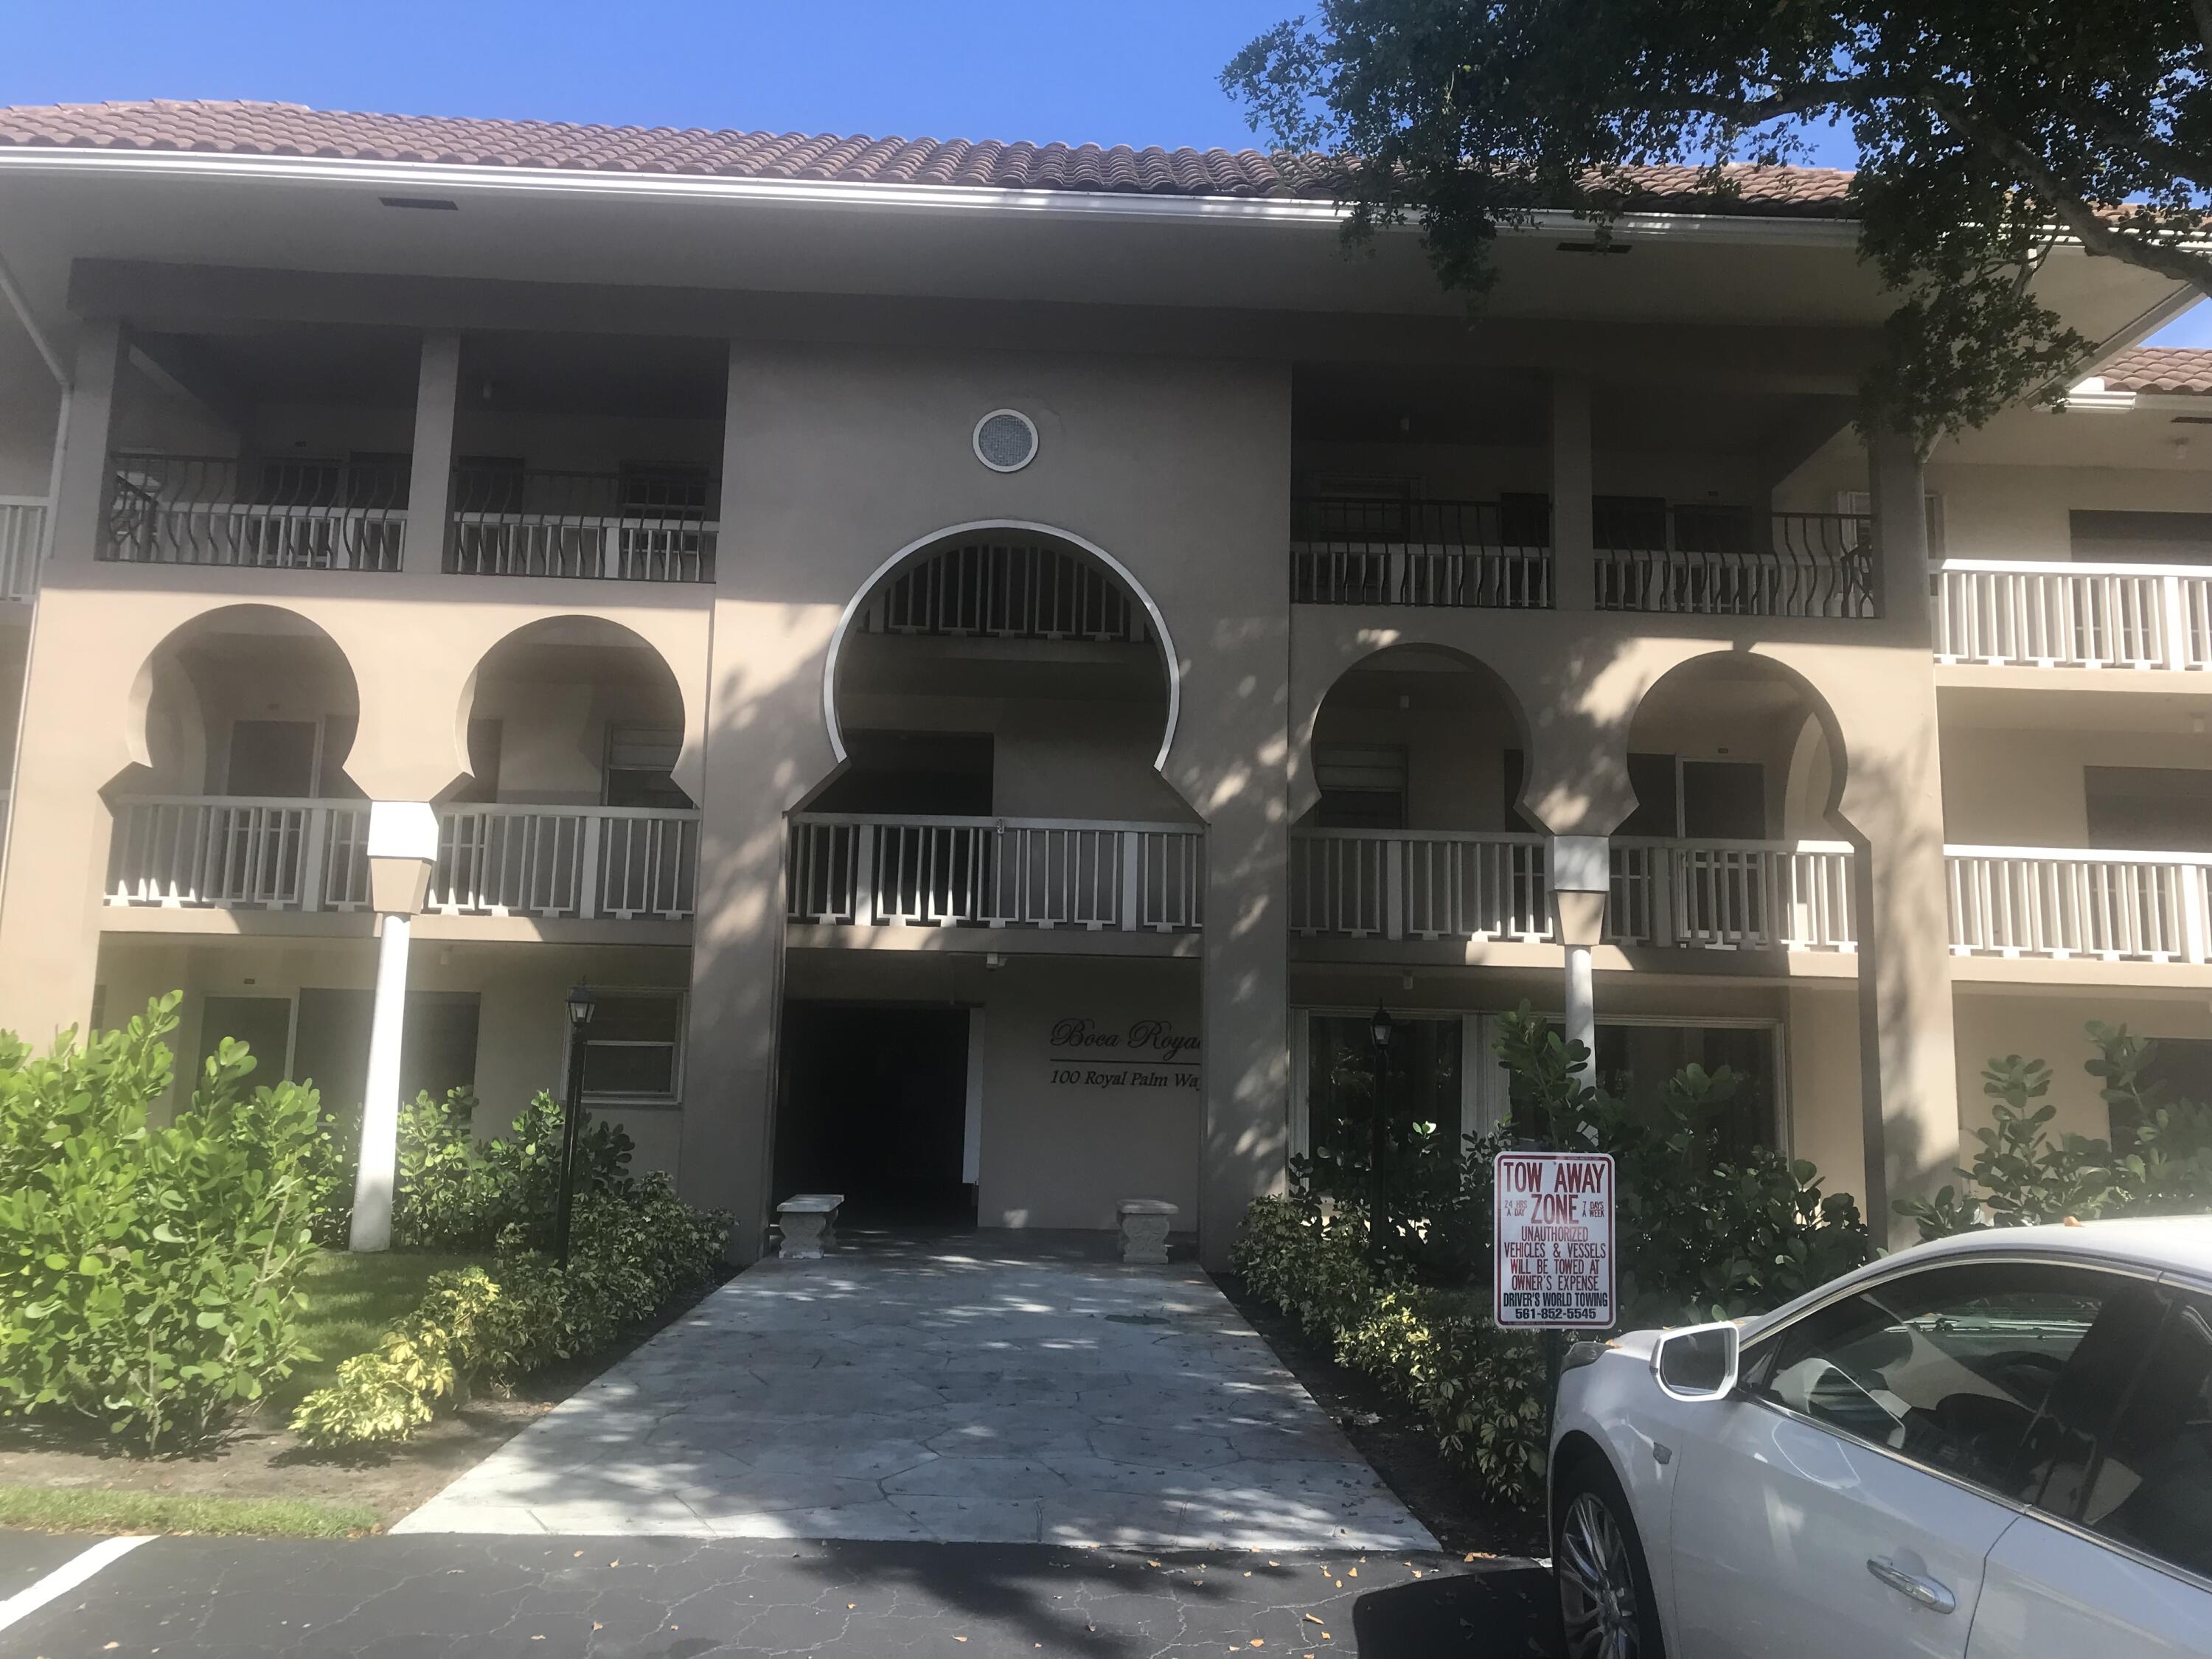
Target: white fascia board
(425, 176)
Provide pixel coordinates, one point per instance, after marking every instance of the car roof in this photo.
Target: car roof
(2180, 1244)
(2159, 1245)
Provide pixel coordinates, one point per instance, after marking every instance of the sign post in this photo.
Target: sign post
(1552, 1256)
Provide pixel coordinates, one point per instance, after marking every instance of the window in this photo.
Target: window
(488, 484)
(263, 1023)
(665, 492)
(1636, 1062)
(2181, 1065)
(2165, 808)
(638, 761)
(330, 1047)
(276, 758)
(1423, 1086)
(2152, 1487)
(1952, 1367)
(2130, 537)
(1360, 789)
(634, 1047)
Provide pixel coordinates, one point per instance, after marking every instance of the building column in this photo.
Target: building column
(1244, 1016)
(1894, 804)
(402, 848)
(430, 466)
(1581, 879)
(1574, 540)
(69, 735)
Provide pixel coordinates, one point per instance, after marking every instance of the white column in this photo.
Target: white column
(1582, 876)
(380, 1106)
(402, 848)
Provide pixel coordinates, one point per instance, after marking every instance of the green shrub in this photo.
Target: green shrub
(1702, 1232)
(2023, 1176)
(635, 1246)
(150, 1272)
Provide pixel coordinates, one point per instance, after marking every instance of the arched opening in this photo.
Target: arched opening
(242, 719)
(574, 728)
(1417, 755)
(1000, 698)
(1734, 761)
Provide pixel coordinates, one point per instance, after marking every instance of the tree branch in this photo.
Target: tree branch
(2097, 234)
(1780, 105)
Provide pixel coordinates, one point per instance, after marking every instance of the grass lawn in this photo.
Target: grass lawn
(351, 1299)
(78, 1510)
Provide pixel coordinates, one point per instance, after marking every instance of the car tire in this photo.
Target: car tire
(1606, 1604)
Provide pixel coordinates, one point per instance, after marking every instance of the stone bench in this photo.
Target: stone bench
(1144, 1222)
(809, 1223)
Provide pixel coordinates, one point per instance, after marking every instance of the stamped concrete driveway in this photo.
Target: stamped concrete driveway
(990, 1388)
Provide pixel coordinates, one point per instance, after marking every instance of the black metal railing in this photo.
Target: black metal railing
(1727, 561)
(1349, 550)
(639, 525)
(1006, 590)
(291, 514)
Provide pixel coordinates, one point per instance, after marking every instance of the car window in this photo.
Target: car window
(2151, 1487)
(1951, 1366)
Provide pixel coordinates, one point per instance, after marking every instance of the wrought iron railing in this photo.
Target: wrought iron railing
(1005, 589)
(1719, 562)
(22, 538)
(285, 515)
(872, 871)
(630, 527)
(1348, 550)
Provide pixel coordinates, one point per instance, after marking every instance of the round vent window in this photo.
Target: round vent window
(1005, 441)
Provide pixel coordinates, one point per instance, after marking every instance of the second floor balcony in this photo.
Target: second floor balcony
(872, 871)
(2050, 613)
(269, 854)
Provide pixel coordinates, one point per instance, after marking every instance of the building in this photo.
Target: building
(991, 660)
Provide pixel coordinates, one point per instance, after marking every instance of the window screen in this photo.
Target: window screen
(638, 761)
(632, 1049)
(1360, 789)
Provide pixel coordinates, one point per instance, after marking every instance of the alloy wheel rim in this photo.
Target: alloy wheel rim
(1597, 1586)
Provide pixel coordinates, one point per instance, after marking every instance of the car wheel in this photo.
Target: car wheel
(1606, 1604)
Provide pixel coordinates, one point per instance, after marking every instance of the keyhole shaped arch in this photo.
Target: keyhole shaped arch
(1170, 661)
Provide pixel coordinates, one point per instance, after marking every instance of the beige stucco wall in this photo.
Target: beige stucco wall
(2023, 786)
(2050, 1027)
(521, 1016)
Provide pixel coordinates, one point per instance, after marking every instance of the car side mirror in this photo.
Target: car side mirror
(1697, 1362)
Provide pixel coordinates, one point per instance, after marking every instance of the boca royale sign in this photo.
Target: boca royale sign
(1147, 1054)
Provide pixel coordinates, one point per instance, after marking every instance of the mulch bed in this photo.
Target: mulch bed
(1401, 1445)
(260, 1458)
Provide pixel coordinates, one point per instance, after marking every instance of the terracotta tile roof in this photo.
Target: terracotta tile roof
(2171, 369)
(276, 130)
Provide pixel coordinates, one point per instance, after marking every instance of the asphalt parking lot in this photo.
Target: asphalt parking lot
(635, 1598)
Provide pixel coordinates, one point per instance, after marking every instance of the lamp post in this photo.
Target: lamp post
(1379, 1030)
(572, 1112)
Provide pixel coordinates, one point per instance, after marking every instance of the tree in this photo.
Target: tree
(1988, 131)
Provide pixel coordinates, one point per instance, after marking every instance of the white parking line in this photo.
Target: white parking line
(66, 1578)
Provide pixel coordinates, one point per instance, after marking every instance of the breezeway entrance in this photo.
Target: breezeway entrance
(874, 1103)
(986, 1388)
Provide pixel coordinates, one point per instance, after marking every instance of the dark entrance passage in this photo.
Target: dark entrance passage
(873, 1104)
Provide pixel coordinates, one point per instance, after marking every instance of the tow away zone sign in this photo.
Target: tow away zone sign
(1554, 1259)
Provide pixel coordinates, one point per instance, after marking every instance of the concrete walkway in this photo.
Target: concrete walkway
(991, 1388)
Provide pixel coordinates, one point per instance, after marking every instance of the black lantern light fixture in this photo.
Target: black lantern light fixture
(1380, 1029)
(582, 1005)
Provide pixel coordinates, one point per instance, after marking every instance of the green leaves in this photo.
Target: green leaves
(152, 1291)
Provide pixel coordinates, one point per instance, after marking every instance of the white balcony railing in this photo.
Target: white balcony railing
(585, 862)
(2046, 614)
(1388, 883)
(2062, 902)
(22, 534)
(236, 853)
(870, 872)
(1430, 884)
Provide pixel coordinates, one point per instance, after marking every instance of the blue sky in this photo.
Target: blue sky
(1112, 71)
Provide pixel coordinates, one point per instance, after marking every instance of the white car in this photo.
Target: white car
(1997, 1446)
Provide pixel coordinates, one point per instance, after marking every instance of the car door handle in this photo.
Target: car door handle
(1920, 1592)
